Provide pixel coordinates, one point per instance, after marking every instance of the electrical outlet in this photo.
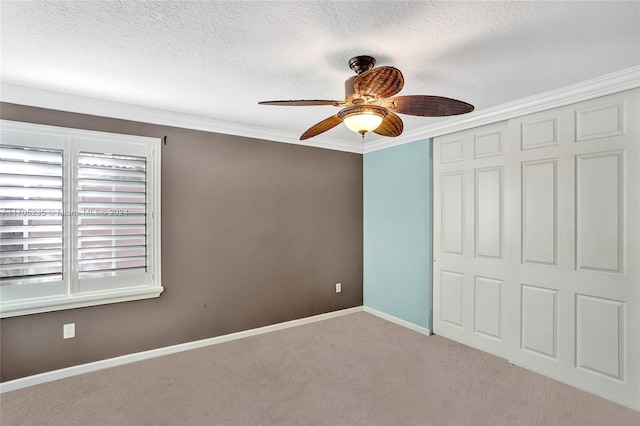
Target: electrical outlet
(69, 331)
(338, 287)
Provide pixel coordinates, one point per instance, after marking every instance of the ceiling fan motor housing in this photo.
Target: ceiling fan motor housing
(359, 64)
(350, 90)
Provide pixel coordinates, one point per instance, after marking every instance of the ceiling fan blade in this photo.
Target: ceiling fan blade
(379, 82)
(321, 127)
(391, 126)
(428, 106)
(303, 102)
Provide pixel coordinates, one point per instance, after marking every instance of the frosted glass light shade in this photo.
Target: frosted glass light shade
(363, 122)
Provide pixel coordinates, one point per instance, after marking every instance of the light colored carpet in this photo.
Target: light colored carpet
(352, 370)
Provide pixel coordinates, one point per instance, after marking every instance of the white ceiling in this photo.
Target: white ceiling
(216, 60)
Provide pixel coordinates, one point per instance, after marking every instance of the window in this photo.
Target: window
(79, 218)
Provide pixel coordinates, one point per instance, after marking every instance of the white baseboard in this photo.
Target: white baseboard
(139, 356)
(398, 321)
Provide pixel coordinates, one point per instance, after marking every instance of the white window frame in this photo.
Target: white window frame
(16, 300)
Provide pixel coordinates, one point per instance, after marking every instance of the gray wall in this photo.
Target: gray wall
(253, 233)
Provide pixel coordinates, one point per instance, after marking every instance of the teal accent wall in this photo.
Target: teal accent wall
(397, 232)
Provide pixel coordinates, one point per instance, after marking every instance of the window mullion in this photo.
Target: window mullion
(71, 216)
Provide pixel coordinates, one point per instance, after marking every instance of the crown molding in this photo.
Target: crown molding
(83, 105)
(605, 85)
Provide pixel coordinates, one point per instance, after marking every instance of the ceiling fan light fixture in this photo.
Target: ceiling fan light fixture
(363, 119)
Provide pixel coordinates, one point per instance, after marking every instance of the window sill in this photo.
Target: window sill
(58, 303)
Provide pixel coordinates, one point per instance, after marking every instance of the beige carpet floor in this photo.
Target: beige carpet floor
(352, 370)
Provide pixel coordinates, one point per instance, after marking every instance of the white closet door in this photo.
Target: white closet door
(469, 253)
(574, 245)
(537, 243)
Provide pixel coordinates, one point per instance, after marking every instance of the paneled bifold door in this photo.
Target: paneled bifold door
(536, 243)
(469, 224)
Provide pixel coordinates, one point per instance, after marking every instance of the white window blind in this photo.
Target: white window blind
(31, 226)
(112, 220)
(79, 216)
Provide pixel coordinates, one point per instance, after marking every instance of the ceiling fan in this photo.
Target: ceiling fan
(369, 104)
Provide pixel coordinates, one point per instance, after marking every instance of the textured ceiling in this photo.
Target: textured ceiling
(218, 59)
